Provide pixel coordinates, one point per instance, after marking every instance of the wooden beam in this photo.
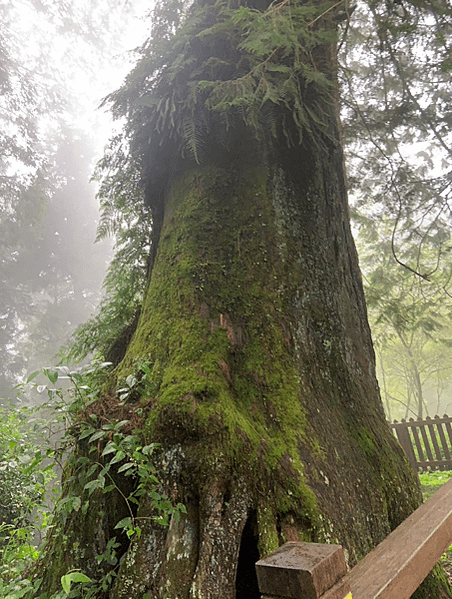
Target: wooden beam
(398, 565)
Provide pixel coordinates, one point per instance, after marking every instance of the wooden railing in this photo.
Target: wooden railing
(393, 570)
(427, 443)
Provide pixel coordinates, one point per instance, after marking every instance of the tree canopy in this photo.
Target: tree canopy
(396, 79)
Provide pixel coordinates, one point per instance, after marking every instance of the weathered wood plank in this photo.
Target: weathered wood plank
(449, 430)
(398, 565)
(437, 465)
(432, 431)
(302, 570)
(411, 422)
(442, 436)
(426, 440)
(418, 444)
(437, 442)
(403, 436)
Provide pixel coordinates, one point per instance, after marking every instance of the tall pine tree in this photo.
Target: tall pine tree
(251, 362)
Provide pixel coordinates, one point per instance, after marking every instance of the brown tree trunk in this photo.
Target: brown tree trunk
(417, 383)
(266, 405)
(264, 399)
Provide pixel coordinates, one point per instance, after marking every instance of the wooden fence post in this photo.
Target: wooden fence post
(403, 437)
(303, 571)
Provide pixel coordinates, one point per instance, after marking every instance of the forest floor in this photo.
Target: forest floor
(430, 482)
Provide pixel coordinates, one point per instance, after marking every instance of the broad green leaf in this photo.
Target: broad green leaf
(125, 467)
(68, 579)
(86, 432)
(96, 436)
(94, 484)
(33, 375)
(51, 374)
(131, 381)
(111, 447)
(124, 523)
(118, 457)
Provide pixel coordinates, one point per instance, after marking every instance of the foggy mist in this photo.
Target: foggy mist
(56, 65)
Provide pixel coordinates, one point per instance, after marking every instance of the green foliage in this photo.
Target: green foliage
(21, 487)
(26, 180)
(223, 64)
(44, 172)
(398, 137)
(28, 488)
(410, 322)
(278, 47)
(71, 577)
(408, 374)
(397, 126)
(125, 217)
(134, 460)
(431, 481)
(27, 465)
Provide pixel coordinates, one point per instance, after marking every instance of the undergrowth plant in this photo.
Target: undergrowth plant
(28, 489)
(29, 459)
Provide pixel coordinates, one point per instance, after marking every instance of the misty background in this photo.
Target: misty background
(57, 62)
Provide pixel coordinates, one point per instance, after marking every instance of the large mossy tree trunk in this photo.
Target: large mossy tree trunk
(265, 404)
(263, 391)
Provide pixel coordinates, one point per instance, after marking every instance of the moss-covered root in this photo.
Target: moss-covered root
(195, 557)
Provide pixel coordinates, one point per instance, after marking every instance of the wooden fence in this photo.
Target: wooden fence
(427, 443)
(393, 570)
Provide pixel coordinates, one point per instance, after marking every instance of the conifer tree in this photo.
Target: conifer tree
(250, 361)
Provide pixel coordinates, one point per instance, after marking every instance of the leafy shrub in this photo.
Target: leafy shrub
(28, 487)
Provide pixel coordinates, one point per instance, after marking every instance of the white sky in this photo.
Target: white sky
(78, 68)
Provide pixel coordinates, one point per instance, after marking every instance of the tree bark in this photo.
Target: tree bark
(264, 400)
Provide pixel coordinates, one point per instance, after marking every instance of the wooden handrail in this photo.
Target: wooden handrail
(393, 570)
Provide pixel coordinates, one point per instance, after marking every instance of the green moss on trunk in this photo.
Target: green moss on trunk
(215, 331)
(263, 389)
(255, 328)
